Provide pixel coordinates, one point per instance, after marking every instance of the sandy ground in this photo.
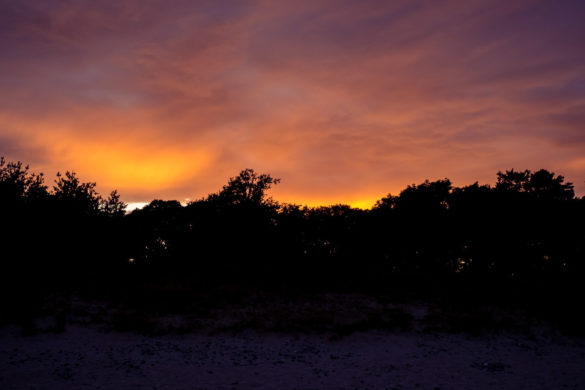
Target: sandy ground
(89, 358)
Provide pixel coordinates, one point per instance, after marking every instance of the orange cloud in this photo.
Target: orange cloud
(127, 167)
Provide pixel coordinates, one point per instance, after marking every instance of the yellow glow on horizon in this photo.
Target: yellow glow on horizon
(364, 204)
(131, 167)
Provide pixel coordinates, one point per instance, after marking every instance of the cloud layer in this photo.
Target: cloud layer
(345, 101)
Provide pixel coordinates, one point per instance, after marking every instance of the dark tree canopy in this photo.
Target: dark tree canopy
(83, 198)
(113, 206)
(76, 195)
(542, 184)
(248, 188)
(17, 182)
(513, 181)
(428, 195)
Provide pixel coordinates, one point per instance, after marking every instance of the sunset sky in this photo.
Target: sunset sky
(345, 101)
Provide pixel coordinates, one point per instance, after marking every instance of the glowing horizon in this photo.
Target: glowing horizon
(344, 101)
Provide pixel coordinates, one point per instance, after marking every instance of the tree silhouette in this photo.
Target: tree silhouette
(75, 195)
(542, 184)
(248, 188)
(113, 206)
(513, 181)
(18, 183)
(426, 197)
(24, 211)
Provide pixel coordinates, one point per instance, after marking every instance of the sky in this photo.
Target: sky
(344, 101)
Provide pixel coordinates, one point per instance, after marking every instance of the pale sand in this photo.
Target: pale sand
(87, 358)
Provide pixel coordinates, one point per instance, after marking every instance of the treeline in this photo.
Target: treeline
(525, 234)
(528, 227)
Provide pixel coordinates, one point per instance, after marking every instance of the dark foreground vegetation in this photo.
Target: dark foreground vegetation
(519, 244)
